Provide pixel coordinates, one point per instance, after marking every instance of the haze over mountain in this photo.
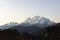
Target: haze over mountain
(8, 25)
(19, 10)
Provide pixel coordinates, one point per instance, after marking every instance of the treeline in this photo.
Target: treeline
(53, 32)
(50, 33)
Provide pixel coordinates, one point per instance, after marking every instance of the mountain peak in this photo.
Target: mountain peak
(38, 19)
(27, 20)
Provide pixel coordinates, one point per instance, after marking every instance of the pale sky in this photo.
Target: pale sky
(19, 10)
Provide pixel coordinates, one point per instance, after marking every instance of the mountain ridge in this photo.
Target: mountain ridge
(38, 19)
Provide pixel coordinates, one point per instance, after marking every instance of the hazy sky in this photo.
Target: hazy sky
(19, 10)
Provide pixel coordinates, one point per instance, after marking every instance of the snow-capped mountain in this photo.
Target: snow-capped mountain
(33, 20)
(31, 25)
(38, 19)
(45, 21)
